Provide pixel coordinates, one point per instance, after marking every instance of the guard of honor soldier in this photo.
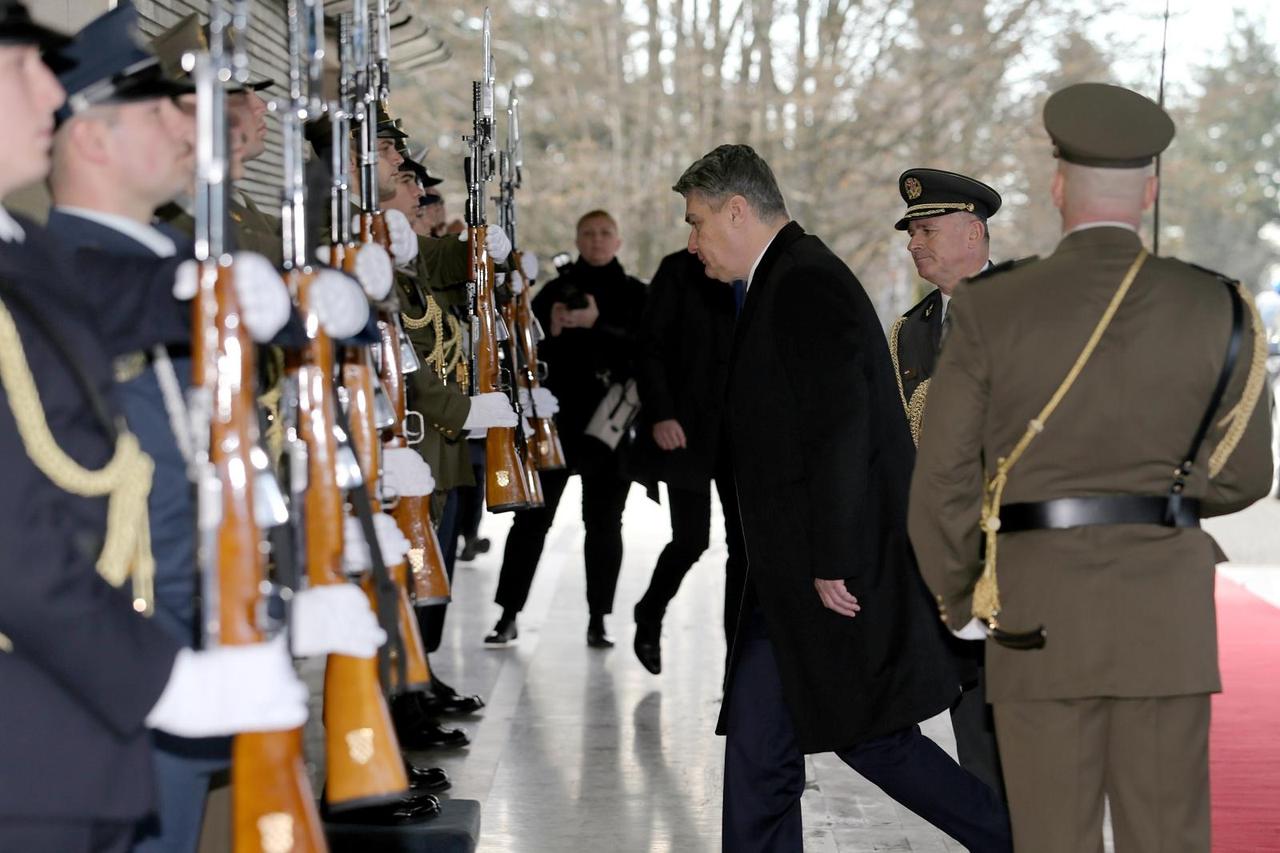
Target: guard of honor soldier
(1087, 410)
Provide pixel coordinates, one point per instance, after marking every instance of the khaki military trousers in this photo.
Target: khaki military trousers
(1148, 757)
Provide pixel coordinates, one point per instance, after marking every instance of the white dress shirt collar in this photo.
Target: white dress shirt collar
(162, 245)
(10, 230)
(1107, 223)
(751, 275)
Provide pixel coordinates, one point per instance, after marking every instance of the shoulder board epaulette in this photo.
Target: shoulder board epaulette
(1223, 277)
(1004, 266)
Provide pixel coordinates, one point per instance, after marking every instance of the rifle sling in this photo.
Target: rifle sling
(384, 587)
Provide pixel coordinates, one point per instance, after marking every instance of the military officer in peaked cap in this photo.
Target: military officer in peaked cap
(946, 221)
(949, 241)
(1087, 411)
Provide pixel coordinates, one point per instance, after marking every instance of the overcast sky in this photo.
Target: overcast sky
(1198, 31)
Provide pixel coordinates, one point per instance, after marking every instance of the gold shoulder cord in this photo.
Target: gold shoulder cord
(986, 594)
(125, 479)
(893, 354)
(915, 406)
(1237, 419)
(443, 357)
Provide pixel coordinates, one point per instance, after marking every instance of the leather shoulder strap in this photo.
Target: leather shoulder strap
(1234, 344)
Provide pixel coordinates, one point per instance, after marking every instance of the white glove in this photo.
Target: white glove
(186, 281)
(404, 241)
(339, 302)
(405, 473)
(546, 402)
(335, 619)
(355, 550)
(975, 630)
(527, 428)
(517, 283)
(529, 261)
(231, 689)
(492, 409)
(373, 270)
(263, 297)
(498, 244)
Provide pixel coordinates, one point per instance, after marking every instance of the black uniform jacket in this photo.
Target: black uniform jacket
(822, 459)
(685, 342)
(582, 363)
(84, 669)
(919, 337)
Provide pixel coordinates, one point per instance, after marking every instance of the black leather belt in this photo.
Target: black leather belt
(1063, 513)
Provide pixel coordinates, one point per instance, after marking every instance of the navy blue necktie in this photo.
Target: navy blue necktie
(739, 295)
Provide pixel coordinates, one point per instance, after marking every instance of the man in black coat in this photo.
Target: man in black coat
(682, 367)
(837, 647)
(591, 314)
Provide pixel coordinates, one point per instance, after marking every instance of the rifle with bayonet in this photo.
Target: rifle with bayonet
(364, 764)
(506, 481)
(271, 801)
(547, 452)
(373, 396)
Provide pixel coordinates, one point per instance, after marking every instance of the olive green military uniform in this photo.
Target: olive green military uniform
(255, 231)
(1116, 701)
(428, 299)
(1127, 609)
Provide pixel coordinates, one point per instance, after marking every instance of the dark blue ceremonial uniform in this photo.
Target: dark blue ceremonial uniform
(184, 766)
(84, 668)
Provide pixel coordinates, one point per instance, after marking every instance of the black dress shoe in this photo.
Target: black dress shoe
(411, 808)
(503, 634)
(416, 730)
(451, 705)
(471, 548)
(428, 734)
(427, 780)
(597, 637)
(648, 646)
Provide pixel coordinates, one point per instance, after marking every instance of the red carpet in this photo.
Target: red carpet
(1244, 741)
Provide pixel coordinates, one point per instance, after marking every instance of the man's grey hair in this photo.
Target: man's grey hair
(732, 170)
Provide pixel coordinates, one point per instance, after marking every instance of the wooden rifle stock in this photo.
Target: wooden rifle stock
(271, 801)
(547, 451)
(523, 446)
(506, 485)
(361, 749)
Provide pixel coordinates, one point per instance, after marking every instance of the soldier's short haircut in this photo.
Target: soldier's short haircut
(596, 214)
(732, 170)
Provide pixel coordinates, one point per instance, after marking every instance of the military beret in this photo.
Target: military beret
(429, 198)
(1104, 126)
(933, 192)
(108, 63)
(16, 27)
(190, 36)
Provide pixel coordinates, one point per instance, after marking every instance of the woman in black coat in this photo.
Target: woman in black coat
(591, 315)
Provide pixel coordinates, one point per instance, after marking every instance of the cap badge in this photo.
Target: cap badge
(913, 188)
